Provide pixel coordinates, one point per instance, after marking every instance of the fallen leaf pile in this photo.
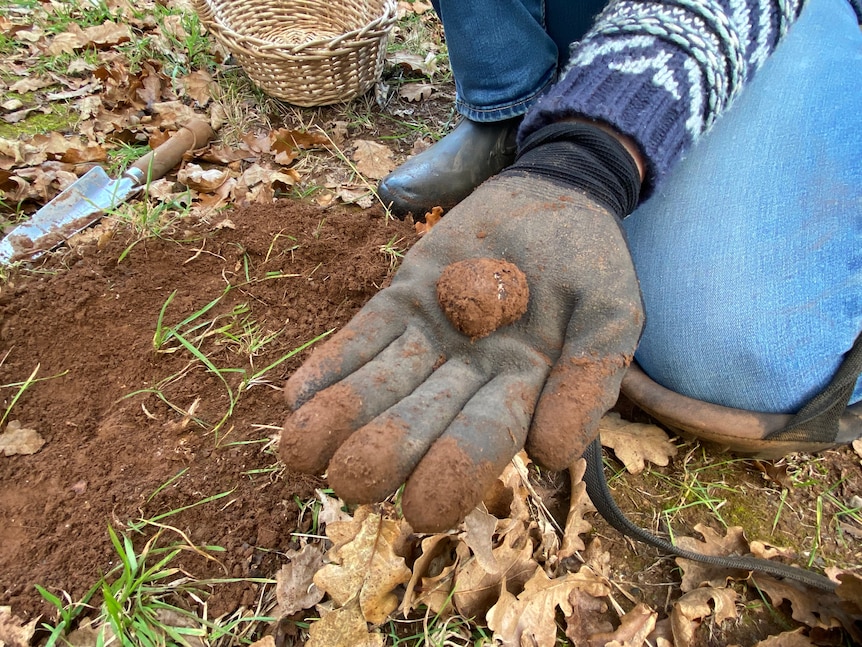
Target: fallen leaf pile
(510, 567)
(133, 80)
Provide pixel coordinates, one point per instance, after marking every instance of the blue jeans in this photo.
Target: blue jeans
(505, 53)
(750, 253)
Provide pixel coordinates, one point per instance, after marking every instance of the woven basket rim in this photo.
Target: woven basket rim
(371, 31)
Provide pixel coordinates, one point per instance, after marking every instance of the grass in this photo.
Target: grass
(436, 631)
(22, 387)
(61, 118)
(181, 44)
(831, 514)
(393, 252)
(151, 220)
(84, 14)
(804, 513)
(147, 600)
(123, 156)
(234, 329)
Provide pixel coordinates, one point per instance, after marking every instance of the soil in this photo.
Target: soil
(115, 450)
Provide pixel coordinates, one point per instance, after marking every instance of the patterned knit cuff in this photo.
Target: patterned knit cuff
(652, 115)
(661, 72)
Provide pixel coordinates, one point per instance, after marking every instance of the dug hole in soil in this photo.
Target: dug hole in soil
(88, 322)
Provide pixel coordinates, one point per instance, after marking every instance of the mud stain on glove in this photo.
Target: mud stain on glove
(313, 432)
(445, 486)
(479, 295)
(371, 464)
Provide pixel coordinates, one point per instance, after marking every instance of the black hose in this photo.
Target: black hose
(600, 495)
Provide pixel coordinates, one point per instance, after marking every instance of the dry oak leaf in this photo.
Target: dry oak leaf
(478, 584)
(849, 590)
(414, 6)
(331, 509)
(366, 568)
(416, 91)
(529, 618)
(344, 627)
(66, 42)
(696, 574)
(635, 627)
(31, 84)
(433, 575)
(360, 196)
(691, 608)
(284, 138)
(294, 583)
(586, 618)
(266, 641)
(598, 559)
(412, 63)
(528, 505)
(508, 498)
(768, 551)
(787, 639)
(373, 160)
(634, 443)
(20, 153)
(431, 219)
(197, 85)
(14, 632)
(823, 610)
(579, 505)
(108, 34)
(20, 440)
(342, 532)
(479, 529)
(204, 180)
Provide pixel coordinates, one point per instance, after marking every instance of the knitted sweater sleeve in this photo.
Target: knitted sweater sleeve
(662, 71)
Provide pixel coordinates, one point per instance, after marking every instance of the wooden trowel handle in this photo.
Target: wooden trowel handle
(155, 164)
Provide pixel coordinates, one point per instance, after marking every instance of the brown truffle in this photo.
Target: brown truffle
(481, 294)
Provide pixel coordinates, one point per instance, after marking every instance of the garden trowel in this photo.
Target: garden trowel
(94, 193)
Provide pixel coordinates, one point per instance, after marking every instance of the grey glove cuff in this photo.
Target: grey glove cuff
(582, 157)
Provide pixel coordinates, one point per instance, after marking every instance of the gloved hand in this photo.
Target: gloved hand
(400, 395)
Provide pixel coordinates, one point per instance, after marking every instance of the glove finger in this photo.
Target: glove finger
(461, 465)
(600, 341)
(379, 457)
(376, 326)
(313, 432)
(578, 392)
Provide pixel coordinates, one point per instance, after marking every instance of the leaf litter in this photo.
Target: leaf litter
(512, 566)
(500, 572)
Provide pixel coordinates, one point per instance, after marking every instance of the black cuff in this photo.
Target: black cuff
(583, 157)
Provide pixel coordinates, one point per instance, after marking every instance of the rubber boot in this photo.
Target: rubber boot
(451, 169)
(741, 432)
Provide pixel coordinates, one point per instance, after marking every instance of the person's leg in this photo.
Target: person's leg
(502, 57)
(504, 53)
(750, 254)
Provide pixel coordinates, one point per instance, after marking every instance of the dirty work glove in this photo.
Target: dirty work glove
(400, 395)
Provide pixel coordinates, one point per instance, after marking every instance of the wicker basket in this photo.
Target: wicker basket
(307, 52)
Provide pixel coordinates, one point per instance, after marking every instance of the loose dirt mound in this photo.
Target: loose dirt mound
(88, 322)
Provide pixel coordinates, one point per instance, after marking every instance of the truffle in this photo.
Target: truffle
(479, 295)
